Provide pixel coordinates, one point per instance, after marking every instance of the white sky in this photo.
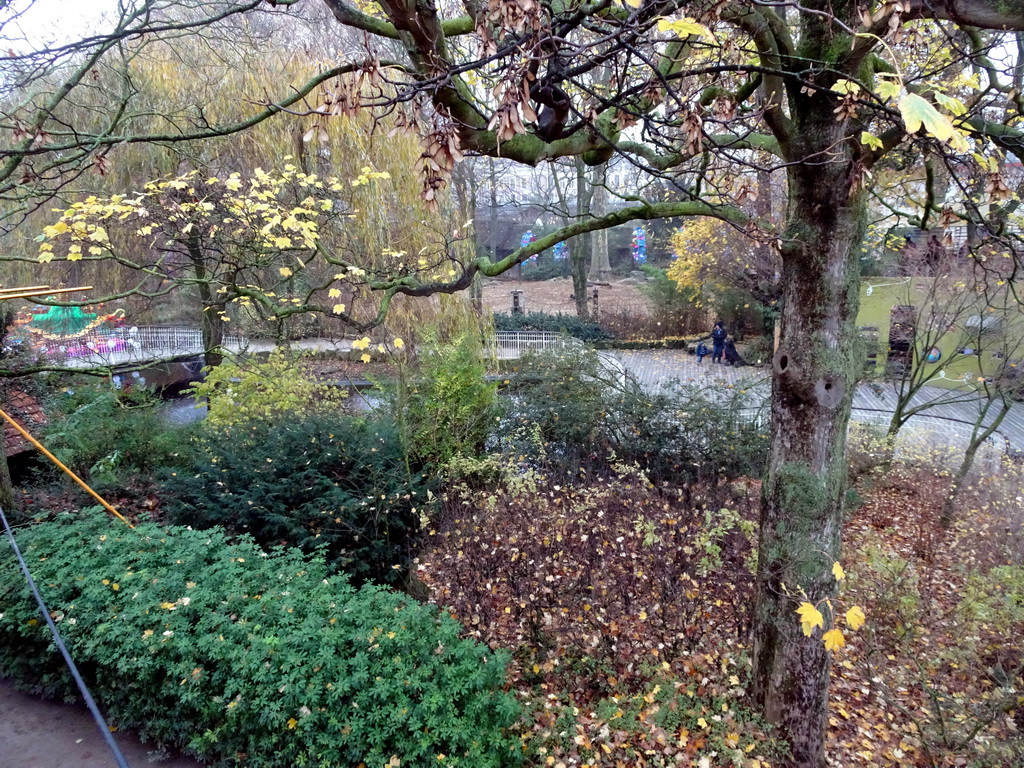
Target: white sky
(50, 21)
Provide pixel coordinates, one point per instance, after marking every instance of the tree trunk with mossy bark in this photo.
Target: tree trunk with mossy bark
(600, 265)
(815, 372)
(212, 327)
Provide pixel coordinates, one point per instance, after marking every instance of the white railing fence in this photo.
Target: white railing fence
(120, 346)
(511, 345)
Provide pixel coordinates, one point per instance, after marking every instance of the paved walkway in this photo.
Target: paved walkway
(45, 734)
(948, 423)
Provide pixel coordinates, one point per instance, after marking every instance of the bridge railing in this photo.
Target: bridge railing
(511, 345)
(118, 346)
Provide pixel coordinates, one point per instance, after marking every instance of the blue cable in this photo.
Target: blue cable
(97, 716)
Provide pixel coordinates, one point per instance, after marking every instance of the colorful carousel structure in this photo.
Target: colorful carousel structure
(61, 331)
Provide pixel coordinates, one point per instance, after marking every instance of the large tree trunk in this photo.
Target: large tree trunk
(212, 321)
(815, 372)
(213, 333)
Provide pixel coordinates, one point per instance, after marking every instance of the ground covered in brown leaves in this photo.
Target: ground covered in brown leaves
(934, 679)
(626, 610)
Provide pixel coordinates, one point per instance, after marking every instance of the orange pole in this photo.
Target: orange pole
(71, 474)
(28, 293)
(24, 288)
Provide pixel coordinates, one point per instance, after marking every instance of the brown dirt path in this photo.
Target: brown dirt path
(45, 734)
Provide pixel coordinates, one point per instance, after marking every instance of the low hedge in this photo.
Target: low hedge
(248, 658)
(340, 484)
(669, 343)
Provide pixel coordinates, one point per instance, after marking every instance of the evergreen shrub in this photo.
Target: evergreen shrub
(333, 482)
(246, 658)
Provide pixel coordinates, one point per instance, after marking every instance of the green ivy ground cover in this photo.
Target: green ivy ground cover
(249, 658)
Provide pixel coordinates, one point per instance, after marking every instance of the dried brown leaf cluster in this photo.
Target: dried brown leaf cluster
(440, 153)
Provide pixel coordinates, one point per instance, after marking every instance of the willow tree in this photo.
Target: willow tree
(181, 90)
(699, 92)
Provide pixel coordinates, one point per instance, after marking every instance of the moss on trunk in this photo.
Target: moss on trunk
(815, 373)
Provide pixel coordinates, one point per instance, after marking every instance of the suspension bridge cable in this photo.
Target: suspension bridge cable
(89, 702)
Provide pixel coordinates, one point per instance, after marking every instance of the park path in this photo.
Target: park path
(46, 734)
(943, 425)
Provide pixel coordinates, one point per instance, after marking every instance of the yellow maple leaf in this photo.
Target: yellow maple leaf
(834, 639)
(285, 272)
(837, 571)
(399, 343)
(334, 293)
(855, 618)
(810, 617)
(292, 722)
(364, 358)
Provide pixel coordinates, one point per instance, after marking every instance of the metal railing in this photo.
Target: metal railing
(941, 438)
(125, 346)
(511, 345)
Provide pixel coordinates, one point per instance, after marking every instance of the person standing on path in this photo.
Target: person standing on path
(718, 337)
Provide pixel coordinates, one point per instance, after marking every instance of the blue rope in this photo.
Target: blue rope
(97, 716)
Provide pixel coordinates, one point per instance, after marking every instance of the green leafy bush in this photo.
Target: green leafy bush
(109, 436)
(579, 409)
(251, 659)
(339, 483)
(539, 321)
(445, 406)
(243, 391)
